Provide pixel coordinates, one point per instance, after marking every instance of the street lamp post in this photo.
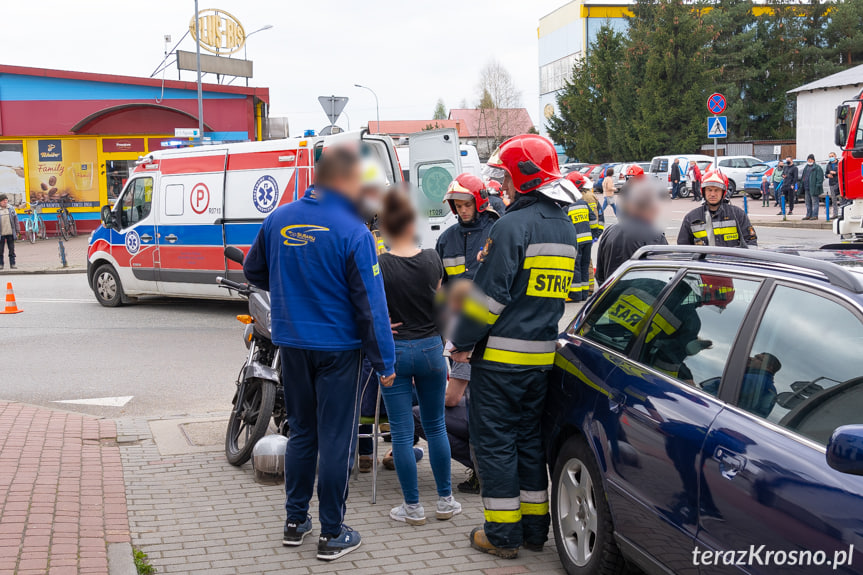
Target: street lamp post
(377, 104)
(198, 66)
(245, 45)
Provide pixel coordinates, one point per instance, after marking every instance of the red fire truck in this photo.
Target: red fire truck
(849, 137)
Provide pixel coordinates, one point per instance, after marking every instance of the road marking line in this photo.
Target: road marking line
(57, 300)
(100, 401)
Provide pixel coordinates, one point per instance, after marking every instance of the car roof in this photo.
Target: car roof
(838, 265)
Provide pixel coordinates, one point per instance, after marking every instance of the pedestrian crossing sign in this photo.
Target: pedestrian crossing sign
(717, 126)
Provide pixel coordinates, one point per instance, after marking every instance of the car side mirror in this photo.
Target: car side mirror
(840, 136)
(234, 254)
(845, 450)
(107, 217)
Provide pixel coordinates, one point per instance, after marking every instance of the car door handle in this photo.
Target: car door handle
(730, 463)
(146, 238)
(171, 238)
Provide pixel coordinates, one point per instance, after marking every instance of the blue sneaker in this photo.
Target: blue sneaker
(332, 547)
(296, 532)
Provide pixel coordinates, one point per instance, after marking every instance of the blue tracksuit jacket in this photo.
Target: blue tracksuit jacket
(319, 262)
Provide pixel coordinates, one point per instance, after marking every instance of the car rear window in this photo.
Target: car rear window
(622, 313)
(659, 165)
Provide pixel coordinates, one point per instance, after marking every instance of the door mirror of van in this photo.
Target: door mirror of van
(107, 217)
(841, 135)
(845, 450)
(234, 254)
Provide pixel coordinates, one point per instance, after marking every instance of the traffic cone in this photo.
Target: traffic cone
(11, 306)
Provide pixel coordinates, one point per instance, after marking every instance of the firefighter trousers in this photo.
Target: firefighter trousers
(581, 275)
(505, 415)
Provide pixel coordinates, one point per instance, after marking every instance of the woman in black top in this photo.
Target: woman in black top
(412, 278)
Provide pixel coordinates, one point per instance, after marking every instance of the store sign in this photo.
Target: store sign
(112, 145)
(221, 33)
(50, 151)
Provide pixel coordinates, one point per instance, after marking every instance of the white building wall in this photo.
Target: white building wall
(815, 120)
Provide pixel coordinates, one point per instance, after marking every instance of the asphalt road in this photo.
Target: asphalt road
(174, 357)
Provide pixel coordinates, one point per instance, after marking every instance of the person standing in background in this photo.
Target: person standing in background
(833, 183)
(608, 191)
(696, 181)
(675, 176)
(8, 230)
(790, 175)
(813, 186)
(765, 192)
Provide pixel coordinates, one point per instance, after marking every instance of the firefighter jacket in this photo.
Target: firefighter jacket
(510, 319)
(726, 226)
(580, 216)
(597, 218)
(459, 245)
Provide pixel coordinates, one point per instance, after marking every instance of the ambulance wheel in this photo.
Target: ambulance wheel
(581, 519)
(107, 286)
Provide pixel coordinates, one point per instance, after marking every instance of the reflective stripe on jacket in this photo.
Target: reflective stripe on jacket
(727, 226)
(459, 245)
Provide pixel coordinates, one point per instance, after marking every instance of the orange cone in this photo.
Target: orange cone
(11, 306)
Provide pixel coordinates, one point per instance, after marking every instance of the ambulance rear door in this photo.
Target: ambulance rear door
(435, 161)
(260, 177)
(190, 238)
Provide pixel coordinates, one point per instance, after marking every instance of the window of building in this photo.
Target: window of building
(553, 76)
(117, 172)
(804, 372)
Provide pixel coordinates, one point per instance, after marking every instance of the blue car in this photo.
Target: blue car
(704, 416)
(752, 185)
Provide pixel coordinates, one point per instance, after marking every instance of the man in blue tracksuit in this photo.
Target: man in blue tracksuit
(318, 260)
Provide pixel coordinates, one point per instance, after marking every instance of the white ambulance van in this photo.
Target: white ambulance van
(166, 234)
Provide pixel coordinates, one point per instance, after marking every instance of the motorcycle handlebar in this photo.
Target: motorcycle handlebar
(242, 288)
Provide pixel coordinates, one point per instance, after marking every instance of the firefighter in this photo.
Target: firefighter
(494, 196)
(633, 171)
(582, 218)
(716, 222)
(374, 186)
(508, 329)
(459, 245)
(597, 220)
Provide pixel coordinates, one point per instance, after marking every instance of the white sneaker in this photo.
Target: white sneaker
(410, 514)
(447, 508)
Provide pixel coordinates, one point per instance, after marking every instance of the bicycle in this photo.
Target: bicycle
(66, 226)
(34, 225)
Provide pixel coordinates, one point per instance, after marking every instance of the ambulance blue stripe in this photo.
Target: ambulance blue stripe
(192, 235)
(241, 234)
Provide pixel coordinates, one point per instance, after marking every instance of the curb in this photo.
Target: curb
(120, 561)
(58, 271)
(794, 224)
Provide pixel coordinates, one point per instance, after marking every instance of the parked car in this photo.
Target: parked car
(571, 167)
(736, 168)
(591, 171)
(752, 185)
(660, 165)
(711, 399)
(621, 169)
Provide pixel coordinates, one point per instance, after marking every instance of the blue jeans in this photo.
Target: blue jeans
(675, 190)
(419, 363)
(606, 203)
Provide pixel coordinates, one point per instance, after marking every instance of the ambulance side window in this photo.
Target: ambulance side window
(622, 314)
(137, 202)
(174, 200)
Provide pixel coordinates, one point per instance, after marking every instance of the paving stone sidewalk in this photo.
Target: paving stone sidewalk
(195, 513)
(62, 499)
(44, 256)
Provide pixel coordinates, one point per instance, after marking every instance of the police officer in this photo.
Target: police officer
(582, 218)
(716, 222)
(508, 329)
(459, 245)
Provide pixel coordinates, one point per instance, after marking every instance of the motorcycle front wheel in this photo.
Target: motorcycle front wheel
(249, 419)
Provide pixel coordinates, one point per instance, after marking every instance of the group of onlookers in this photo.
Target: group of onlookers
(788, 181)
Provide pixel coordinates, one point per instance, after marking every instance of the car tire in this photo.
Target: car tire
(732, 188)
(578, 503)
(754, 194)
(107, 286)
(684, 191)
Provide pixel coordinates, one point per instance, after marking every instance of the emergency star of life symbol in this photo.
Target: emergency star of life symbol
(133, 242)
(265, 194)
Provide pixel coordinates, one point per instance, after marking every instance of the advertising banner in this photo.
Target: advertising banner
(12, 171)
(63, 171)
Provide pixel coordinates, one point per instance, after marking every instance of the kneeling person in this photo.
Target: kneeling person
(716, 222)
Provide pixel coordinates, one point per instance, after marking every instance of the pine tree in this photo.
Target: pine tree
(845, 32)
(439, 110)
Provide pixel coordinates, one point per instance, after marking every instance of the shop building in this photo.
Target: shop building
(74, 137)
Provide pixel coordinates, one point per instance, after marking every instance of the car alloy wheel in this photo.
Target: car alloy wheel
(106, 286)
(577, 514)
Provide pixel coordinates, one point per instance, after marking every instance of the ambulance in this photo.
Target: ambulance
(167, 231)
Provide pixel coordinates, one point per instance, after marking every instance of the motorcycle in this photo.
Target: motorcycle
(259, 395)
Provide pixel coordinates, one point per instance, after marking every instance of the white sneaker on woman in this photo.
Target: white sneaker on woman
(410, 514)
(447, 508)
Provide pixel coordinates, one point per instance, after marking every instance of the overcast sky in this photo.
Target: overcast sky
(410, 52)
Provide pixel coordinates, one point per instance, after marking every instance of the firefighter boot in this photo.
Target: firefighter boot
(480, 542)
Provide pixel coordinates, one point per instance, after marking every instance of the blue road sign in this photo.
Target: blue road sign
(717, 127)
(716, 103)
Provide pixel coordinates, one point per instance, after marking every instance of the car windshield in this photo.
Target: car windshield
(759, 169)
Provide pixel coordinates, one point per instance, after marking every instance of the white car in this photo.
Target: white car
(736, 168)
(660, 166)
